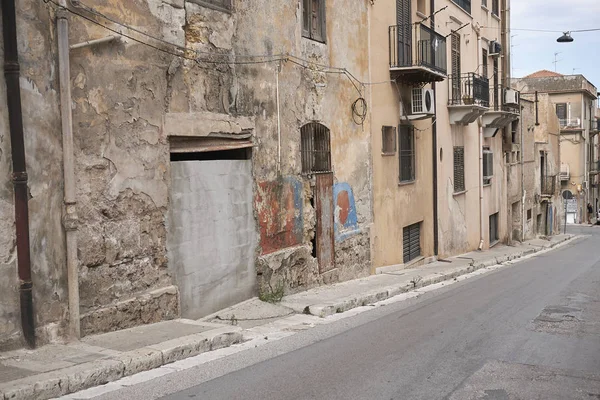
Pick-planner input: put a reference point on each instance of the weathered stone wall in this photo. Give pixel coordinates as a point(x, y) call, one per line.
point(131, 102)
point(41, 119)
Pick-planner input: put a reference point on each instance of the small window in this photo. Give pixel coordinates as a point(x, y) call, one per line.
point(493, 228)
point(407, 153)
point(313, 19)
point(388, 137)
point(528, 214)
point(464, 4)
point(218, 4)
point(561, 112)
point(411, 242)
point(315, 148)
point(513, 131)
point(421, 6)
point(484, 3)
point(459, 169)
point(488, 166)
point(496, 7)
point(484, 63)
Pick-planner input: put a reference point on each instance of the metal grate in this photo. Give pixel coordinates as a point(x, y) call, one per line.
point(459, 169)
point(315, 148)
point(411, 242)
point(407, 153)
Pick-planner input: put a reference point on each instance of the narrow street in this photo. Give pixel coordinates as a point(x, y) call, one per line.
point(526, 331)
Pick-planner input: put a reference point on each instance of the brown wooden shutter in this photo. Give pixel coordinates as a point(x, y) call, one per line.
point(306, 18)
point(459, 169)
point(403, 18)
point(455, 51)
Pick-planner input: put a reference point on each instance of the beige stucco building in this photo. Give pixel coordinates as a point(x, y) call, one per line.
point(574, 101)
point(454, 193)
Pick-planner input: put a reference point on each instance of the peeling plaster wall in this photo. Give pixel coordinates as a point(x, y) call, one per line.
point(130, 101)
point(39, 92)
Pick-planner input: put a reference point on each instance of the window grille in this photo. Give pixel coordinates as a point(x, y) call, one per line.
point(459, 169)
point(315, 148)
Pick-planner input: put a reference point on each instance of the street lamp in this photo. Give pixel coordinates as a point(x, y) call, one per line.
point(565, 38)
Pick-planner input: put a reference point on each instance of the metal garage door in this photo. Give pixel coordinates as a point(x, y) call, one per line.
point(411, 242)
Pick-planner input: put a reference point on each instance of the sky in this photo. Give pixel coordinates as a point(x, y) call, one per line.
point(533, 51)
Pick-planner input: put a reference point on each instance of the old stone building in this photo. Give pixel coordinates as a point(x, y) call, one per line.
point(221, 151)
point(532, 159)
point(574, 100)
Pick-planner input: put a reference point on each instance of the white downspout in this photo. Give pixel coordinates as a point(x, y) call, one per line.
point(70, 220)
point(481, 239)
point(278, 121)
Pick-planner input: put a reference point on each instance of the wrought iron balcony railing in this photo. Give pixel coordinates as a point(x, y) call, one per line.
point(417, 46)
point(469, 89)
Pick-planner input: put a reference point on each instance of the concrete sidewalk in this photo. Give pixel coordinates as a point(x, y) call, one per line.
point(56, 370)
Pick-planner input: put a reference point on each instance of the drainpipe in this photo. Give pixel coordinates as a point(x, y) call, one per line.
point(481, 240)
point(434, 155)
point(523, 193)
point(19, 175)
point(70, 221)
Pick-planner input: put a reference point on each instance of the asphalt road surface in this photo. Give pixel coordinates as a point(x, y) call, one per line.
point(528, 331)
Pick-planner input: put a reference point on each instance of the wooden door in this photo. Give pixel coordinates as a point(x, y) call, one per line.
point(324, 212)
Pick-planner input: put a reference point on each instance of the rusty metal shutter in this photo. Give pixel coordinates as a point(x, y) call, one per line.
point(403, 19)
point(459, 169)
point(411, 242)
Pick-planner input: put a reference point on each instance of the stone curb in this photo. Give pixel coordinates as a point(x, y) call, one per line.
point(84, 376)
point(324, 310)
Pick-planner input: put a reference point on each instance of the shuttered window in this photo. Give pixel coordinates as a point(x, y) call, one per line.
point(455, 43)
point(488, 166)
point(464, 4)
point(403, 19)
point(484, 63)
point(411, 242)
point(315, 148)
point(496, 7)
point(407, 153)
point(313, 19)
point(459, 169)
point(561, 111)
point(493, 228)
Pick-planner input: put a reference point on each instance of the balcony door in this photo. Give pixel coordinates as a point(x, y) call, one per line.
point(403, 19)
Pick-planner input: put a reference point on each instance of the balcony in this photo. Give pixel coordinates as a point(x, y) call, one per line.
point(417, 55)
point(469, 98)
point(548, 186)
point(594, 126)
point(565, 172)
point(503, 110)
point(570, 123)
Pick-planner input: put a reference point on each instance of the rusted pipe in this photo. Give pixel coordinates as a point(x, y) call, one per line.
point(19, 175)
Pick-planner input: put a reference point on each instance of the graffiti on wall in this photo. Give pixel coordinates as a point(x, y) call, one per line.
point(346, 221)
point(280, 213)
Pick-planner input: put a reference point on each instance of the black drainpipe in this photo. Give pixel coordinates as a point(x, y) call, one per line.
point(19, 176)
point(434, 153)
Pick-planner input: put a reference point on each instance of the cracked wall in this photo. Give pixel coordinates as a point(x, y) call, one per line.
point(39, 92)
point(132, 104)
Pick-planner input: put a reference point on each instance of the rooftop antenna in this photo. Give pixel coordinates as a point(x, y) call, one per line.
point(556, 60)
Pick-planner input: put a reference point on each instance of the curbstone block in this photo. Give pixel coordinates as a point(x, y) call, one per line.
point(140, 360)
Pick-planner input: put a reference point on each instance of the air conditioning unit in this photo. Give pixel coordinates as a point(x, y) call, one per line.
point(423, 102)
point(495, 48)
point(511, 97)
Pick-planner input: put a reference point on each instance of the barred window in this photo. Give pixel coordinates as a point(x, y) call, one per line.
point(407, 153)
point(315, 148)
point(459, 169)
point(488, 166)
